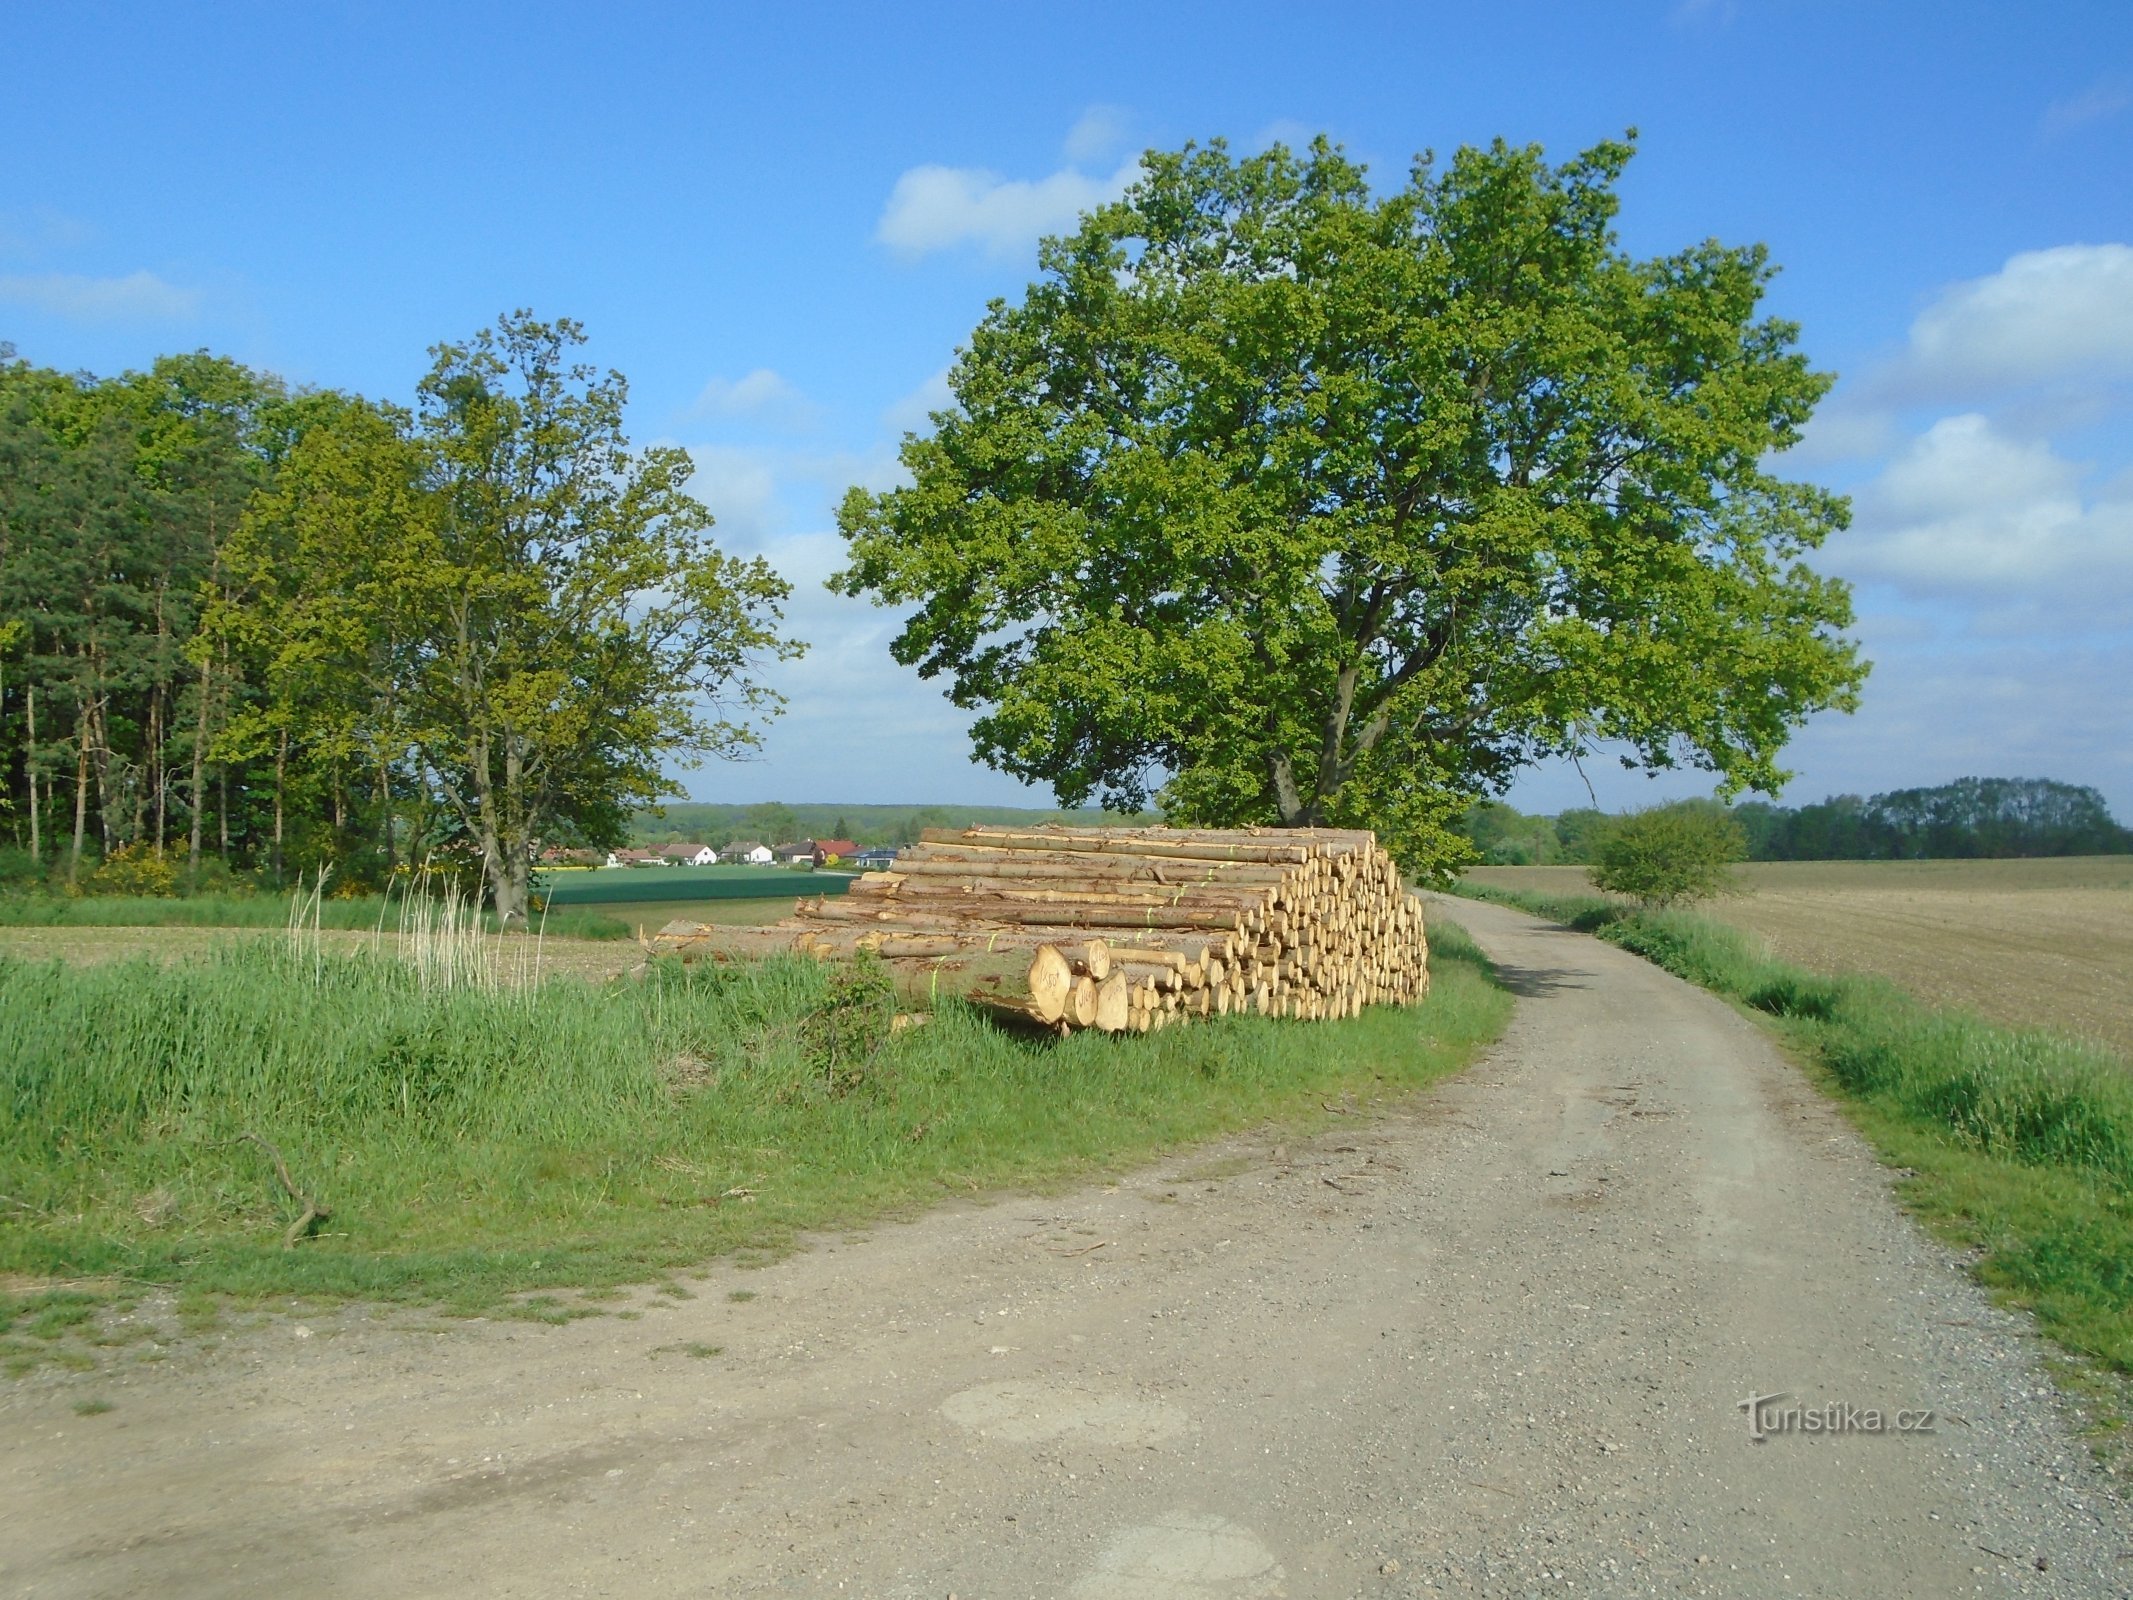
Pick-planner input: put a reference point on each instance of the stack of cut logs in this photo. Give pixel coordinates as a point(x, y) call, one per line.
point(1121, 929)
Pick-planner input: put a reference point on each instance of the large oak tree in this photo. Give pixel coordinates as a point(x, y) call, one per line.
point(1300, 504)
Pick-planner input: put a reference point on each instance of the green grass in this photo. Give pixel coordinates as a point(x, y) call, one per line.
point(2016, 1141)
point(637, 885)
point(253, 911)
point(486, 1151)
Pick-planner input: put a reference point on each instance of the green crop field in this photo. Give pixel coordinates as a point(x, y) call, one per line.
point(604, 886)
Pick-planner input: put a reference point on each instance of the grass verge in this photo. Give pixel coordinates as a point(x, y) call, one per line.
point(484, 1150)
point(2015, 1142)
point(258, 911)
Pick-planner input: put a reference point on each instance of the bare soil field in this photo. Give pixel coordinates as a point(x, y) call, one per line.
point(2044, 944)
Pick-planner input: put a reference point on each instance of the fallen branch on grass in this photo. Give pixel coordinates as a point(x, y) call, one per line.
point(314, 1212)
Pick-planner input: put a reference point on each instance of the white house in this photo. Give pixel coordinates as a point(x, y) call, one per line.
point(688, 855)
point(756, 855)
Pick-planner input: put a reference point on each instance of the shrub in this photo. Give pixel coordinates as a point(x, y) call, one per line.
point(1670, 854)
point(138, 869)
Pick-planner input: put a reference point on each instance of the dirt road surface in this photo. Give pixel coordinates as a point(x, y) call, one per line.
point(1491, 1344)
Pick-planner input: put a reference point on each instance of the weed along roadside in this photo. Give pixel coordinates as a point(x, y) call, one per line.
point(521, 1150)
point(2017, 1143)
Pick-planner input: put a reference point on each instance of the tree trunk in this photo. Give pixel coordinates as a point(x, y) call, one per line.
point(385, 818)
point(222, 768)
point(155, 749)
point(29, 762)
point(81, 797)
point(192, 854)
point(281, 774)
point(510, 881)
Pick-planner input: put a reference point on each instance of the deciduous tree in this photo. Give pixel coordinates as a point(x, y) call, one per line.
point(1301, 504)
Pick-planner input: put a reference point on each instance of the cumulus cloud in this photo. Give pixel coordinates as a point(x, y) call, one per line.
point(759, 391)
point(938, 208)
point(1968, 510)
point(741, 488)
point(2047, 315)
point(762, 397)
point(138, 296)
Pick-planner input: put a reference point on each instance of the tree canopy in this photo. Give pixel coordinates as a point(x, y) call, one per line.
point(501, 586)
point(287, 630)
point(1296, 504)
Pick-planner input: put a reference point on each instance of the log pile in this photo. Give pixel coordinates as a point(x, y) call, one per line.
point(1120, 929)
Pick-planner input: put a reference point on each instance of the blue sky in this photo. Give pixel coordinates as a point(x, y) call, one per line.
point(780, 223)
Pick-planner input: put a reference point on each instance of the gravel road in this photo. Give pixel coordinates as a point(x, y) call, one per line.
point(1491, 1344)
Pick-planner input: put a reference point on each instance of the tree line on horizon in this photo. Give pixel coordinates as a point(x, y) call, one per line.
point(1969, 819)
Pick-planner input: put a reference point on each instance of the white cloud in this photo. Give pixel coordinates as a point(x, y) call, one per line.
point(913, 413)
point(1840, 430)
point(1099, 133)
point(2047, 315)
point(1967, 510)
point(937, 208)
point(740, 487)
point(137, 296)
point(760, 397)
point(759, 393)
point(2097, 103)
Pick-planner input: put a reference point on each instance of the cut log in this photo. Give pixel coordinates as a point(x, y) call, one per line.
point(1127, 929)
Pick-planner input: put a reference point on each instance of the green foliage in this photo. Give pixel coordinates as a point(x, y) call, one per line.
point(501, 583)
point(304, 630)
point(477, 1145)
point(2020, 1141)
point(137, 869)
point(1670, 854)
point(1292, 503)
